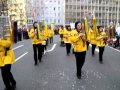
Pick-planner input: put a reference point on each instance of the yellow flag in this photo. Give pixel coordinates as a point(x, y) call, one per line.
point(95, 26)
point(86, 26)
point(39, 30)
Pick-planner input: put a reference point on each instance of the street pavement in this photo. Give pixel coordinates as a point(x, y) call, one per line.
point(57, 71)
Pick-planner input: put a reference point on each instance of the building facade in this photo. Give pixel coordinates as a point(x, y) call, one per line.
point(3, 7)
point(105, 11)
point(52, 11)
point(17, 11)
point(29, 8)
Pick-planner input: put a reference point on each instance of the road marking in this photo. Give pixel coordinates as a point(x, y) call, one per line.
point(97, 50)
point(18, 47)
point(21, 56)
point(113, 48)
point(53, 47)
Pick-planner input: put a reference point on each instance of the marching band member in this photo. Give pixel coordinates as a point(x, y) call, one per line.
point(78, 39)
point(101, 42)
point(51, 34)
point(36, 41)
point(93, 34)
point(44, 40)
point(61, 31)
point(7, 58)
point(67, 35)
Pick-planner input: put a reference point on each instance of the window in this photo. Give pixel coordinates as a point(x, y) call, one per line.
point(66, 6)
point(78, 7)
point(58, 21)
point(99, 14)
point(82, 7)
point(54, 20)
point(58, 14)
point(54, 8)
point(74, 7)
point(58, 8)
point(78, 14)
point(58, 2)
point(70, 7)
point(66, 0)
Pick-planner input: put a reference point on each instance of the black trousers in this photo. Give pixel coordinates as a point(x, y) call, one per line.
point(117, 42)
point(101, 50)
point(7, 76)
point(80, 59)
point(51, 40)
point(68, 47)
point(37, 52)
point(43, 48)
point(47, 42)
point(93, 49)
point(87, 45)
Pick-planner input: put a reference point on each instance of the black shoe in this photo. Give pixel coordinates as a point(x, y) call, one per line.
point(101, 62)
point(8, 89)
point(68, 54)
point(14, 86)
point(93, 55)
point(79, 76)
point(40, 61)
point(35, 64)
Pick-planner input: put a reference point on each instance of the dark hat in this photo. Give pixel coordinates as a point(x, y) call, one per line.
point(76, 23)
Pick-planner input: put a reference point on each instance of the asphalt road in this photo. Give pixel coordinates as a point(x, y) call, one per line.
point(57, 71)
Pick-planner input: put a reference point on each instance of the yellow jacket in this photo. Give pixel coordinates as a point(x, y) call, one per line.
point(34, 37)
point(79, 44)
point(100, 41)
point(51, 33)
point(9, 58)
point(44, 36)
point(61, 31)
point(46, 32)
point(67, 36)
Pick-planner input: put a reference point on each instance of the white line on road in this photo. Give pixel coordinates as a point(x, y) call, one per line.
point(113, 48)
point(97, 50)
point(18, 47)
point(21, 56)
point(53, 47)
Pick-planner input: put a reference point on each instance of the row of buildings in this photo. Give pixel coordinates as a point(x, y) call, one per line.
point(61, 12)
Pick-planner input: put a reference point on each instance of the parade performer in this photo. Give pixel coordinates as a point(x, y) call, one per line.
point(101, 43)
point(78, 39)
point(36, 41)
